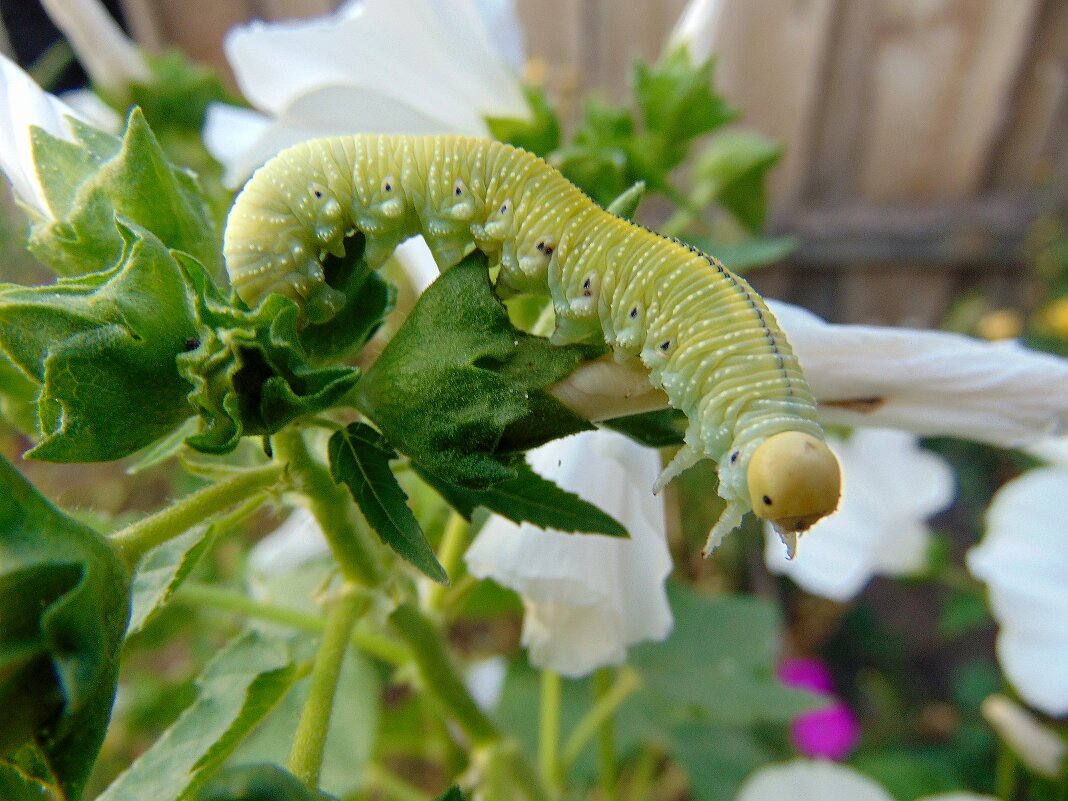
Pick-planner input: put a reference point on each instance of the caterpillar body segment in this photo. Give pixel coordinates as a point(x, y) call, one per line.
point(706, 337)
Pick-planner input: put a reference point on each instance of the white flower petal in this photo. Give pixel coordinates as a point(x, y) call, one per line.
point(485, 681)
point(929, 382)
point(24, 103)
point(87, 104)
point(587, 596)
point(805, 780)
point(1024, 561)
point(298, 540)
point(698, 27)
point(109, 56)
point(890, 486)
point(381, 66)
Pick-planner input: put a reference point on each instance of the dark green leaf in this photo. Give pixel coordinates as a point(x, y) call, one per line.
point(162, 569)
point(652, 429)
point(676, 98)
point(65, 599)
point(452, 794)
point(359, 458)
point(103, 350)
point(16, 785)
point(531, 498)
point(249, 371)
point(720, 658)
point(259, 783)
point(237, 688)
point(89, 188)
point(540, 134)
point(452, 388)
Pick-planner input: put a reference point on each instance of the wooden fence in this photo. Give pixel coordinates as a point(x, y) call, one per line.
point(924, 137)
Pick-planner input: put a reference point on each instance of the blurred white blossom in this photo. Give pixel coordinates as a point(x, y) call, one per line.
point(108, 56)
point(1038, 746)
point(1023, 559)
point(586, 596)
point(807, 780)
point(373, 66)
point(890, 486)
point(23, 104)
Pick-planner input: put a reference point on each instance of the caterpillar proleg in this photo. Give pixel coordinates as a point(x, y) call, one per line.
point(705, 336)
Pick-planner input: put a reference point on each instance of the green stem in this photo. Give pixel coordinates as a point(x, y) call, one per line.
point(450, 554)
point(439, 676)
point(610, 696)
point(210, 596)
point(309, 743)
point(136, 540)
point(1005, 773)
point(549, 730)
point(351, 541)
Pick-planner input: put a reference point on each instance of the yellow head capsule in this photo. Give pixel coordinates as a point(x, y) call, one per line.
point(794, 480)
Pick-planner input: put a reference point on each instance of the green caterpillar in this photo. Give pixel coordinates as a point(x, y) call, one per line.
point(706, 337)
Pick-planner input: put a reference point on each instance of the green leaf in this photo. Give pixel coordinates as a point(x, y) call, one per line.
point(529, 497)
point(359, 458)
point(721, 659)
point(717, 758)
point(652, 429)
point(102, 349)
point(540, 134)
point(65, 599)
point(676, 99)
point(16, 785)
point(259, 783)
point(452, 794)
point(162, 569)
point(458, 385)
point(89, 188)
point(237, 689)
point(732, 170)
point(249, 370)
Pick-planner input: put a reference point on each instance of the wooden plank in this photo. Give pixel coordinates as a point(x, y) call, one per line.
point(1023, 151)
point(554, 31)
point(195, 26)
point(943, 73)
point(770, 57)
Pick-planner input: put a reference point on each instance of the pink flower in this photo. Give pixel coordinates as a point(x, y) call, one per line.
point(828, 733)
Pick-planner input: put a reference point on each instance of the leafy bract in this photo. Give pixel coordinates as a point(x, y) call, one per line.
point(459, 389)
point(236, 690)
point(92, 182)
point(102, 350)
point(359, 458)
point(65, 599)
point(653, 429)
point(249, 370)
point(531, 498)
point(676, 98)
point(162, 569)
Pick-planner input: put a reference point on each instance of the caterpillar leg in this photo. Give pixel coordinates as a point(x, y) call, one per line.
point(729, 520)
point(686, 458)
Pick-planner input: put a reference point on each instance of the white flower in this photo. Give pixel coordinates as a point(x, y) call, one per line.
point(23, 104)
point(106, 53)
point(805, 780)
point(697, 27)
point(1023, 559)
point(928, 382)
point(587, 596)
point(376, 66)
point(890, 486)
point(1037, 746)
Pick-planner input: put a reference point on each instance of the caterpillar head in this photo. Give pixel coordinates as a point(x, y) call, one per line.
point(794, 480)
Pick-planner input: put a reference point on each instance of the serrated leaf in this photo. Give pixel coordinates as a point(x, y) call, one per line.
point(652, 429)
point(676, 98)
point(236, 690)
point(162, 569)
point(540, 134)
point(456, 381)
point(359, 458)
point(89, 191)
point(102, 349)
point(721, 659)
point(65, 597)
point(529, 498)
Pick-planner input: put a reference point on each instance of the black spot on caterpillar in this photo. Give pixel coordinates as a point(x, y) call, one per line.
point(705, 335)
